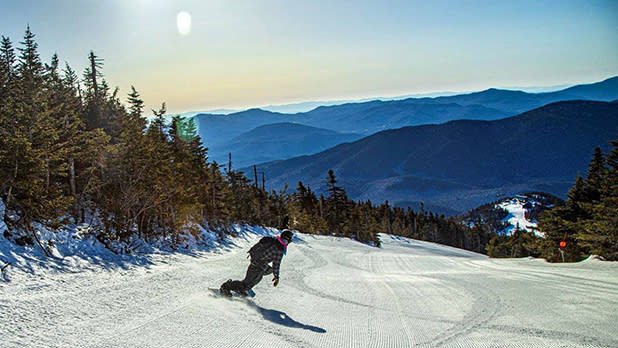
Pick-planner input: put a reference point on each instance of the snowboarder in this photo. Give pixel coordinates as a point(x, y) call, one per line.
point(267, 250)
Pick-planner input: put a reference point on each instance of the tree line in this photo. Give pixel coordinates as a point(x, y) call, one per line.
point(587, 224)
point(363, 220)
point(71, 151)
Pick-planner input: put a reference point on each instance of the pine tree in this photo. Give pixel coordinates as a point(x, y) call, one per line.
point(187, 130)
point(8, 122)
point(32, 151)
point(498, 247)
point(136, 105)
point(95, 94)
point(353, 225)
point(596, 172)
point(599, 234)
point(30, 67)
point(306, 199)
point(305, 212)
point(217, 211)
point(159, 123)
point(92, 73)
point(564, 222)
point(87, 148)
point(589, 220)
point(7, 67)
point(610, 180)
point(189, 174)
point(336, 204)
point(123, 195)
point(64, 106)
point(115, 115)
point(577, 195)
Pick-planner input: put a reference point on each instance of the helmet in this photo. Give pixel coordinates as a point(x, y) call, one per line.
point(287, 235)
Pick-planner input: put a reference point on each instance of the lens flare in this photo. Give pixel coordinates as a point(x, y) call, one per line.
point(183, 22)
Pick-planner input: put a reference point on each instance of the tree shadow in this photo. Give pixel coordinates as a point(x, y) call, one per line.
point(282, 318)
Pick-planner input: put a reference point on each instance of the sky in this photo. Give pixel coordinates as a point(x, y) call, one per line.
point(210, 54)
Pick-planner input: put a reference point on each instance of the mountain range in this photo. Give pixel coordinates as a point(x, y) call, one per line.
point(226, 133)
point(518, 101)
point(276, 141)
point(459, 165)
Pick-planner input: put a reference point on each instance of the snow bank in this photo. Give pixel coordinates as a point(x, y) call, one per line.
point(75, 248)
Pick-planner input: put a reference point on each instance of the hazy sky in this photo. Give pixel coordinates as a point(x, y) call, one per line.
point(243, 53)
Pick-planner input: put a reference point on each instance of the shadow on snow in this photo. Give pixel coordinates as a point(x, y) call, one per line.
point(282, 318)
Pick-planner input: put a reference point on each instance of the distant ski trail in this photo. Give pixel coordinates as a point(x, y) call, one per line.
point(333, 293)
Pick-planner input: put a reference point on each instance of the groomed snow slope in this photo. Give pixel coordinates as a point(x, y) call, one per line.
point(333, 293)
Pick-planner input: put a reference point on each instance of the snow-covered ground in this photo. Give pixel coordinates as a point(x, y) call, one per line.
point(333, 293)
point(517, 218)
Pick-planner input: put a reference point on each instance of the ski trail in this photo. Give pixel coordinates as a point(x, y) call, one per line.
point(333, 293)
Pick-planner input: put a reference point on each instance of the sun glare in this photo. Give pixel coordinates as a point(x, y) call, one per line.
point(183, 21)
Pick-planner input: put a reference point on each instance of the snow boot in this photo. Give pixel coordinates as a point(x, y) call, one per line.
point(224, 289)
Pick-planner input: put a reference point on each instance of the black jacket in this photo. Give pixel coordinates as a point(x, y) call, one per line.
point(272, 251)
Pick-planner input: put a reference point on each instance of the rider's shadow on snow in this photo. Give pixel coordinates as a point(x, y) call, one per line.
point(281, 318)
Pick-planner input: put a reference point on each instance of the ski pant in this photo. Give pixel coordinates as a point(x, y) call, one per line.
point(254, 275)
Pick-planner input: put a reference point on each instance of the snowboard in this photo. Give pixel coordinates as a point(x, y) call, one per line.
point(218, 293)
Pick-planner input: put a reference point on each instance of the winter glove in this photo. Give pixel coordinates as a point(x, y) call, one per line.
point(275, 281)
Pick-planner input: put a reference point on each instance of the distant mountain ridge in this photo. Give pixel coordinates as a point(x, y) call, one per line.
point(364, 118)
point(496, 103)
point(462, 164)
point(518, 101)
point(367, 118)
point(605, 90)
point(277, 141)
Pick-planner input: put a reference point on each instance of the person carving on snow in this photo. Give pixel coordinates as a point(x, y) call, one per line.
point(267, 250)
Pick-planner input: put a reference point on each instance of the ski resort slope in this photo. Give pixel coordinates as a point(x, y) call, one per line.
point(333, 293)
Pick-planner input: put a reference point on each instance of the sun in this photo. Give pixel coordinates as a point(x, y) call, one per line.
point(183, 22)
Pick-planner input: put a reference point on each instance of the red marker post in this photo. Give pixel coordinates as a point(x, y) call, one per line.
point(562, 246)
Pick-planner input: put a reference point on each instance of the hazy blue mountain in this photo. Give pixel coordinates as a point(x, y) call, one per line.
point(302, 106)
point(462, 164)
point(363, 118)
point(278, 141)
point(508, 100)
point(217, 131)
point(373, 116)
point(310, 105)
point(606, 90)
point(518, 101)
